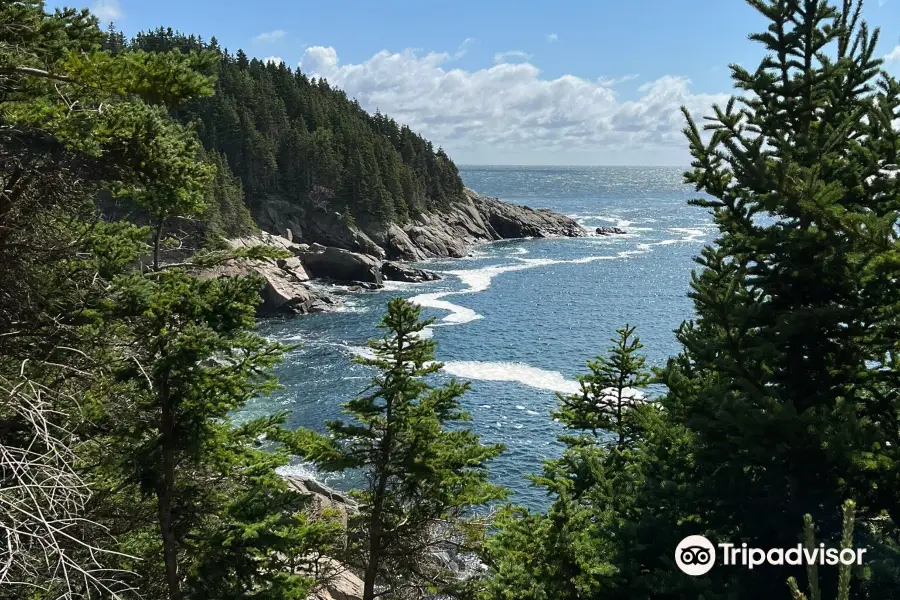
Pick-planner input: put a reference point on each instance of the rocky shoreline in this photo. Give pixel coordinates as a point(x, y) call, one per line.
point(328, 250)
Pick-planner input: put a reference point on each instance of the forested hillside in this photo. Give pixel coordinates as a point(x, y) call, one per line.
point(297, 138)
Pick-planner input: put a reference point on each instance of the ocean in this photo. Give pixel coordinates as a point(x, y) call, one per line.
point(519, 318)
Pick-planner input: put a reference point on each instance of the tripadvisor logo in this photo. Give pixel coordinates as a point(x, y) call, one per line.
point(695, 555)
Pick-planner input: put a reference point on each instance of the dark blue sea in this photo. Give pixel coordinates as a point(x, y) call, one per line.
point(520, 318)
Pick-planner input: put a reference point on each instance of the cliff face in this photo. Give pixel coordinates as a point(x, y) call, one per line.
point(446, 233)
point(326, 247)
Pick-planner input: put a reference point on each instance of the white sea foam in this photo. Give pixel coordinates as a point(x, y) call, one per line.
point(533, 377)
point(458, 314)
point(300, 470)
point(350, 306)
point(618, 221)
point(361, 351)
point(478, 280)
point(689, 235)
point(399, 286)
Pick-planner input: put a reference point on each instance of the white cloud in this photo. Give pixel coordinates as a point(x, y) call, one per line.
point(271, 36)
point(614, 81)
point(463, 48)
point(509, 113)
point(503, 57)
point(893, 55)
point(107, 10)
point(273, 59)
point(552, 37)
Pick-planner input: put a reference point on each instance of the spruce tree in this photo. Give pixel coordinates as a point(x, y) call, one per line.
point(783, 400)
point(424, 481)
point(566, 553)
point(609, 393)
point(788, 377)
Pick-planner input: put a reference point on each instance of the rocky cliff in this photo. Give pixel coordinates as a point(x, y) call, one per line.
point(325, 248)
point(449, 232)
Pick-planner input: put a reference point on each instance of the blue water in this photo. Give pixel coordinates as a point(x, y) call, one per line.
point(520, 318)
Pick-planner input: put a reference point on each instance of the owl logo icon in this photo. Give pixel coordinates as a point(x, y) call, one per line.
point(695, 555)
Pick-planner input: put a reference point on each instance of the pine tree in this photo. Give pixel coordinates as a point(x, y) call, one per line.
point(425, 481)
point(382, 171)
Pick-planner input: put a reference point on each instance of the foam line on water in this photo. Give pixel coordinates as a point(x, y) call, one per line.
point(534, 377)
point(618, 221)
point(458, 314)
point(478, 280)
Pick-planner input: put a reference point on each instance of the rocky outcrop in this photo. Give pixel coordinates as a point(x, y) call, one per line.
point(514, 221)
point(449, 232)
point(286, 289)
point(322, 497)
point(342, 265)
point(338, 581)
point(337, 250)
point(394, 271)
point(341, 583)
point(609, 231)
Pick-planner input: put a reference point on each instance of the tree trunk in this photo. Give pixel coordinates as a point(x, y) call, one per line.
point(165, 493)
point(157, 240)
point(374, 552)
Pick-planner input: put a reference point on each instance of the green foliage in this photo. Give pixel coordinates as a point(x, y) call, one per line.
point(783, 400)
point(424, 480)
point(285, 134)
point(226, 214)
point(609, 393)
point(567, 552)
point(812, 571)
point(120, 469)
point(223, 515)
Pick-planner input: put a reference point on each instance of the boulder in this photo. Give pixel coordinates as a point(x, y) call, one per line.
point(283, 291)
point(394, 271)
point(341, 265)
point(322, 497)
point(294, 266)
point(341, 583)
point(514, 221)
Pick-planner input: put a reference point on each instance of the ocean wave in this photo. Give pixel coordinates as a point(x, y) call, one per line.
point(351, 306)
point(400, 286)
point(305, 470)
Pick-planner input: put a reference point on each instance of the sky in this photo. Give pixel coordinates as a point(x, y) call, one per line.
point(568, 82)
